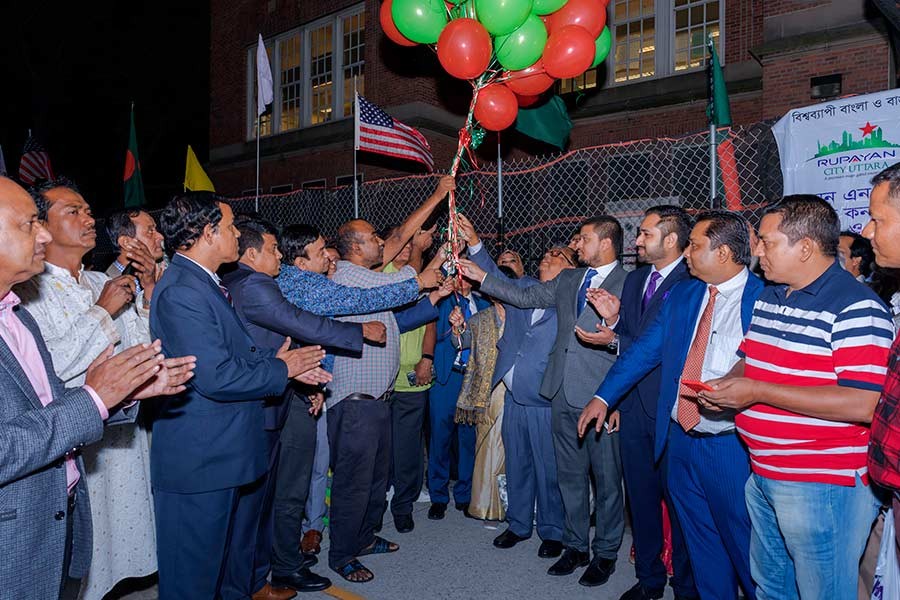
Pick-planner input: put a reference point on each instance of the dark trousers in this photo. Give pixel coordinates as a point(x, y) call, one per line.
point(206, 541)
point(69, 587)
point(359, 433)
point(262, 557)
point(577, 459)
point(707, 476)
point(645, 482)
point(531, 470)
point(295, 462)
point(441, 414)
point(408, 446)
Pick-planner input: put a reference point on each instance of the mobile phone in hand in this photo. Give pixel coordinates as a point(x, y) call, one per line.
point(697, 386)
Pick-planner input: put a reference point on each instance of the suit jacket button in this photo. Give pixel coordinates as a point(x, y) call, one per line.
point(252, 348)
point(59, 516)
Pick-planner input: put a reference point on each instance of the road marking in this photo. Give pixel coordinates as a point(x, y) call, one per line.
point(342, 594)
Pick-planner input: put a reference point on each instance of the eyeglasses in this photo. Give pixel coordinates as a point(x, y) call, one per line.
point(560, 254)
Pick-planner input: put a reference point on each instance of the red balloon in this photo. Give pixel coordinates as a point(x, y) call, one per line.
point(525, 101)
point(390, 30)
point(590, 14)
point(569, 52)
point(496, 107)
point(530, 81)
point(464, 48)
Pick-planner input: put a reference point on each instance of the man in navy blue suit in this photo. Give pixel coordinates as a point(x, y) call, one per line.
point(209, 443)
point(695, 336)
point(662, 237)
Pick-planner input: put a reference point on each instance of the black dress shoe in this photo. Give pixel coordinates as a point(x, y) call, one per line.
point(437, 510)
point(598, 572)
point(303, 580)
point(462, 507)
point(308, 559)
point(507, 539)
point(568, 562)
point(550, 549)
point(639, 592)
point(404, 523)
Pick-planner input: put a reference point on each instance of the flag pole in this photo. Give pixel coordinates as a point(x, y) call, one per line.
point(713, 175)
point(256, 190)
point(355, 125)
point(501, 242)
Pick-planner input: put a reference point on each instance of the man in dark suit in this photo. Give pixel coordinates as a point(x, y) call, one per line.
point(269, 317)
point(695, 335)
point(449, 367)
point(45, 515)
point(209, 445)
point(662, 237)
point(524, 350)
point(574, 370)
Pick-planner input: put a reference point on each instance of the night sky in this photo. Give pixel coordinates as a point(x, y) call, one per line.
point(70, 72)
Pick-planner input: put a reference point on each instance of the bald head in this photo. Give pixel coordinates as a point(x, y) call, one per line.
point(358, 242)
point(22, 236)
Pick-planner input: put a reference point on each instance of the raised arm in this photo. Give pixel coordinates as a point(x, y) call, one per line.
point(542, 295)
point(322, 296)
point(414, 221)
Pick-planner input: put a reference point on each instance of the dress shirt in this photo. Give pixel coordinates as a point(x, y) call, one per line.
point(473, 309)
point(23, 346)
point(601, 275)
point(664, 272)
point(721, 353)
point(137, 282)
point(215, 277)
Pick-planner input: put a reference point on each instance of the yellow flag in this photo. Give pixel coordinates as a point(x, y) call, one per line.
point(195, 178)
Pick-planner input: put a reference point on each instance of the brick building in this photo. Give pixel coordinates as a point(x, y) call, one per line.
point(776, 53)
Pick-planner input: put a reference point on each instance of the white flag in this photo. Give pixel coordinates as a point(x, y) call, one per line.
point(264, 92)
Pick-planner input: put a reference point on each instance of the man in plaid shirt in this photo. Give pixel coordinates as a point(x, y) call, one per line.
point(883, 229)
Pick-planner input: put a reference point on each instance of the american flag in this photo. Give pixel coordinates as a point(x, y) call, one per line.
point(376, 131)
point(35, 163)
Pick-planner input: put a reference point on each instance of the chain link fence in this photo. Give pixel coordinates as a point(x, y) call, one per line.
point(545, 198)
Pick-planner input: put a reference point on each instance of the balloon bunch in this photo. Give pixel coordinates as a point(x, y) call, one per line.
point(511, 51)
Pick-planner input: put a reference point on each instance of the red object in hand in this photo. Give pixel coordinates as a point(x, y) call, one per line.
point(390, 29)
point(496, 108)
point(697, 386)
point(464, 48)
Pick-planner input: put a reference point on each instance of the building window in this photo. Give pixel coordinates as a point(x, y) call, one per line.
point(654, 38)
point(314, 183)
point(342, 180)
point(315, 67)
point(284, 188)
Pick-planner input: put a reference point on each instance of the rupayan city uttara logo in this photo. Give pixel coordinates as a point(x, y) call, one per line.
point(871, 152)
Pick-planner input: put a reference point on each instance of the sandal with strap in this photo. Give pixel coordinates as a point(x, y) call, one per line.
point(379, 546)
point(352, 568)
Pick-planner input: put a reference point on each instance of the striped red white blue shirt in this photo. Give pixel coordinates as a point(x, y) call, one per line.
point(834, 331)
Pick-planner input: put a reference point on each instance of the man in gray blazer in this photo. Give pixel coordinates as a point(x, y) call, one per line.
point(573, 368)
point(45, 518)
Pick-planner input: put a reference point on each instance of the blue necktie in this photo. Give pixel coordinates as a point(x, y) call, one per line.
point(467, 312)
point(582, 293)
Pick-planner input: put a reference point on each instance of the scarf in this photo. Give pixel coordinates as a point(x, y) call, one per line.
point(474, 399)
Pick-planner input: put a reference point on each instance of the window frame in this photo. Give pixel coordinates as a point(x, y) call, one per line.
point(337, 73)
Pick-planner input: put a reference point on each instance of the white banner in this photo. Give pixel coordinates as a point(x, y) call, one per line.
point(834, 149)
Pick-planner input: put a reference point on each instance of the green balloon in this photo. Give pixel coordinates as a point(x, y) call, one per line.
point(545, 7)
point(420, 20)
point(601, 47)
point(501, 17)
point(524, 46)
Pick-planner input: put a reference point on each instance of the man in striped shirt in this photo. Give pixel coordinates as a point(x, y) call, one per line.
point(812, 370)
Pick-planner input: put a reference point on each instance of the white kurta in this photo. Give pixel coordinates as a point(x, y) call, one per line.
point(118, 467)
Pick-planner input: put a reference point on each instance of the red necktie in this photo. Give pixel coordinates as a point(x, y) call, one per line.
point(688, 409)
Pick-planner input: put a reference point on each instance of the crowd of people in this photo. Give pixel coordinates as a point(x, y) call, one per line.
point(184, 411)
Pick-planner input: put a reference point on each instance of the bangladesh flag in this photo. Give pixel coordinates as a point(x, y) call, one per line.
point(134, 184)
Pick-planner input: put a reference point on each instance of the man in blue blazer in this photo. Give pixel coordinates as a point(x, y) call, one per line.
point(45, 513)
point(662, 237)
point(209, 443)
point(269, 317)
point(707, 464)
point(449, 367)
point(524, 350)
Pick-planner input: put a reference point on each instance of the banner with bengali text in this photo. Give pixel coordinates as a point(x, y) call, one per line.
point(834, 149)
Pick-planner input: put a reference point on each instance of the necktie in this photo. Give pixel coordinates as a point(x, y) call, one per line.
point(225, 293)
point(688, 409)
point(655, 276)
point(467, 312)
point(582, 293)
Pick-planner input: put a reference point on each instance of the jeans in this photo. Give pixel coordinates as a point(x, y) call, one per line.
point(807, 538)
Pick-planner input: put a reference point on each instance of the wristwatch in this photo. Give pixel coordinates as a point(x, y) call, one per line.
point(614, 344)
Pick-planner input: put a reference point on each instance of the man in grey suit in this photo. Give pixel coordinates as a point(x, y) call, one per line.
point(45, 517)
point(573, 368)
